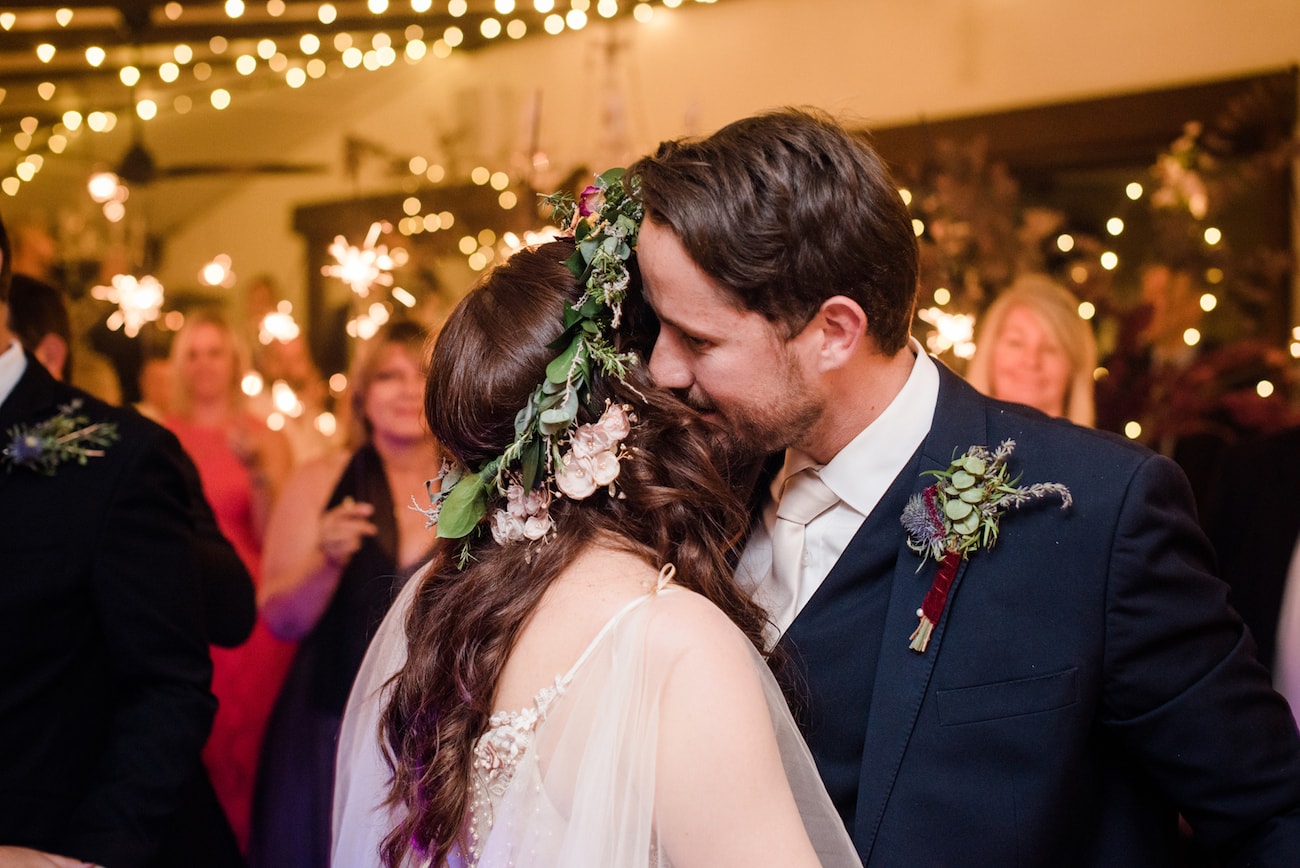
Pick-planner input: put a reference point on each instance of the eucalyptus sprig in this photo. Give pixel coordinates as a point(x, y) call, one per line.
point(66, 436)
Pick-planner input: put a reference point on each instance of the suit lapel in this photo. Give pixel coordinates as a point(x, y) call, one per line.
point(903, 675)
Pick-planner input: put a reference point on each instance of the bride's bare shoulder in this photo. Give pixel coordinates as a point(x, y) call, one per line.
point(682, 620)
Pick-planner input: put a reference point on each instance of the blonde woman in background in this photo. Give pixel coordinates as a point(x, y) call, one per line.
point(1033, 348)
point(242, 464)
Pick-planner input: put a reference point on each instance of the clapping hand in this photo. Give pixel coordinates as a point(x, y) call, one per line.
point(343, 528)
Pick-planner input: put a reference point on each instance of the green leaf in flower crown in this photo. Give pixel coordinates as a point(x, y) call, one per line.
point(466, 504)
point(576, 264)
point(556, 419)
point(558, 370)
point(531, 463)
point(524, 418)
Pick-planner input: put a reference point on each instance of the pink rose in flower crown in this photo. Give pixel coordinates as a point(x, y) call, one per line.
point(614, 422)
point(575, 477)
point(591, 200)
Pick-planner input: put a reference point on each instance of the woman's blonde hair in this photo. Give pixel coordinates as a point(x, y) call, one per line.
point(1058, 310)
point(181, 403)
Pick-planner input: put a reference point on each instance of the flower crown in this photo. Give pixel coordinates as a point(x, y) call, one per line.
point(551, 454)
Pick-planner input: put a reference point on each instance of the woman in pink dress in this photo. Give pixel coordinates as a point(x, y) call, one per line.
point(242, 464)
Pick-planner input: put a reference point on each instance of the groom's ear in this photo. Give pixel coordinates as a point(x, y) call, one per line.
point(843, 329)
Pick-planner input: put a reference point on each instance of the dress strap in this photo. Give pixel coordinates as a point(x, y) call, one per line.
point(665, 576)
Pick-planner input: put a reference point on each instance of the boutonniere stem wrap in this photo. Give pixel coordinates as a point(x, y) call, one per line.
point(959, 515)
point(66, 436)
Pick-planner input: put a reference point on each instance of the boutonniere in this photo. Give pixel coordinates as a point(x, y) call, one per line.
point(65, 436)
point(959, 515)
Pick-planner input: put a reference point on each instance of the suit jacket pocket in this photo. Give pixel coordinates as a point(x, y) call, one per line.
point(1008, 698)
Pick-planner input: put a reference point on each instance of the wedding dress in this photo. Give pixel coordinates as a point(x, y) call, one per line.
point(571, 780)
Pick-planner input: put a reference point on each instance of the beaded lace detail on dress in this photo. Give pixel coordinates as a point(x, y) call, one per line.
point(509, 736)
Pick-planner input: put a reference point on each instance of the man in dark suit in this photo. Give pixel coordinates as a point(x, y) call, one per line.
point(104, 669)
point(1085, 681)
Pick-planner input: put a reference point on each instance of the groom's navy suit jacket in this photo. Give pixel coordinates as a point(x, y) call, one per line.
point(1086, 682)
point(104, 667)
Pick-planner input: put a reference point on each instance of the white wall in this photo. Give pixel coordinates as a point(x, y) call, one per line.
point(694, 69)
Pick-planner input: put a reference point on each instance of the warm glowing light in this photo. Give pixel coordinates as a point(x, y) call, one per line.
point(63, 16)
point(284, 399)
point(378, 7)
point(468, 244)
point(275, 421)
point(169, 72)
point(295, 77)
point(1132, 430)
point(234, 8)
point(607, 8)
point(1087, 310)
point(95, 55)
point(490, 28)
point(45, 52)
point(905, 194)
point(220, 99)
point(1100, 373)
point(918, 227)
point(942, 296)
point(338, 382)
point(415, 50)
point(1212, 235)
point(544, 6)
point(138, 301)
point(1109, 260)
point(1115, 226)
point(1295, 349)
point(457, 8)
point(97, 121)
point(362, 267)
point(309, 43)
point(421, 6)
point(643, 13)
point(252, 384)
point(411, 206)
point(1264, 388)
point(102, 186)
point(1065, 242)
point(326, 424)
point(183, 53)
point(10, 185)
point(952, 331)
point(507, 200)
point(554, 24)
point(517, 29)
point(576, 19)
point(147, 109)
point(245, 64)
point(72, 120)
point(504, 7)
point(1214, 275)
point(129, 75)
point(403, 297)
point(1209, 301)
point(326, 13)
point(266, 48)
point(1192, 337)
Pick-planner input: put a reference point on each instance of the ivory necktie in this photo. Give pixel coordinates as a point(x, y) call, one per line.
point(805, 497)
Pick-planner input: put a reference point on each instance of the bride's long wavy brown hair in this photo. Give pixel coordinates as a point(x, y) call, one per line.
point(679, 508)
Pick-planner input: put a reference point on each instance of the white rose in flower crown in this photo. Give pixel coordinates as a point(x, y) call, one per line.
point(506, 528)
point(614, 423)
point(574, 477)
point(589, 441)
point(537, 526)
point(604, 468)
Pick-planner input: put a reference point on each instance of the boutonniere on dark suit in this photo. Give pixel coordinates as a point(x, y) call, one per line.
point(959, 514)
point(66, 436)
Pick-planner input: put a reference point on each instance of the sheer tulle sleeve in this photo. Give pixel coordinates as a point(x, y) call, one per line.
point(362, 777)
point(672, 725)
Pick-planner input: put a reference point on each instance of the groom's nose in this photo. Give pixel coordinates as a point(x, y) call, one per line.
point(668, 366)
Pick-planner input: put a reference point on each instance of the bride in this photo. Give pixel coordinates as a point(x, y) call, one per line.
point(573, 680)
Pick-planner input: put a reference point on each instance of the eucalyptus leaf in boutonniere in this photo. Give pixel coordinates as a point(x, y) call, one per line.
point(959, 515)
point(66, 436)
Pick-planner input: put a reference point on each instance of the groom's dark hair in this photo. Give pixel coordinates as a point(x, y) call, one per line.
point(786, 210)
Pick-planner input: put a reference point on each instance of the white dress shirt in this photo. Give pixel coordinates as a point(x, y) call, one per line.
point(12, 365)
point(859, 474)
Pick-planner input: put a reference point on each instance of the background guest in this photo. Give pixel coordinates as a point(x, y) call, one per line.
point(1033, 348)
point(341, 543)
point(242, 465)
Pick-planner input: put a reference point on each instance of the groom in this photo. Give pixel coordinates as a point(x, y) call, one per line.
point(1086, 681)
point(104, 668)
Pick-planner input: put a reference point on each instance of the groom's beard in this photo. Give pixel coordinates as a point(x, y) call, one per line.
point(745, 433)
